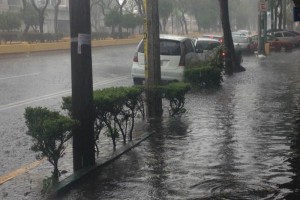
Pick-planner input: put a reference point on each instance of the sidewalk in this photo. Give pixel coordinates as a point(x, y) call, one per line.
point(36, 47)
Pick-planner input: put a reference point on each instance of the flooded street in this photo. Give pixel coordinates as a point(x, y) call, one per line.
point(240, 141)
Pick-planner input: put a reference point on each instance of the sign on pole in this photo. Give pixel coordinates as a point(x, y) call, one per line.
point(263, 6)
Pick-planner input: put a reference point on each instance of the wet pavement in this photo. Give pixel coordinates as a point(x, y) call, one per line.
point(240, 141)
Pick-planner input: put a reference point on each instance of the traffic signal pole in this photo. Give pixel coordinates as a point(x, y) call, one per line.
point(82, 84)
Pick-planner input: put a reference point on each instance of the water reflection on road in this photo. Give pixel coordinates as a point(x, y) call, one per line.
point(240, 141)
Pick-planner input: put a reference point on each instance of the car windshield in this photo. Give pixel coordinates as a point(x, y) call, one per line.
point(167, 47)
point(240, 39)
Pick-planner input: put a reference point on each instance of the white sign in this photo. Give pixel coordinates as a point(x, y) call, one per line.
point(83, 39)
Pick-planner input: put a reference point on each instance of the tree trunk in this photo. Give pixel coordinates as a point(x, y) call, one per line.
point(56, 10)
point(231, 64)
point(280, 15)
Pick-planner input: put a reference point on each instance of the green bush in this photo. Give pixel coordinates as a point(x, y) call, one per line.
point(99, 35)
point(34, 37)
point(203, 76)
point(50, 132)
point(175, 94)
point(115, 111)
point(117, 108)
point(10, 36)
point(208, 73)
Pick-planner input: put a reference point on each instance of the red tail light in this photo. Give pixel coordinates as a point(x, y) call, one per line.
point(135, 57)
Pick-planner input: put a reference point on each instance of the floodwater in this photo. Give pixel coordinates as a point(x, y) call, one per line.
point(237, 142)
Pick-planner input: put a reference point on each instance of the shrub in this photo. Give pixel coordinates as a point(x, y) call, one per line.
point(9, 36)
point(203, 76)
point(99, 35)
point(50, 132)
point(175, 94)
point(115, 111)
point(117, 107)
point(32, 37)
point(206, 73)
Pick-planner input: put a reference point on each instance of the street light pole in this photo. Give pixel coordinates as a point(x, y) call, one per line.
point(82, 84)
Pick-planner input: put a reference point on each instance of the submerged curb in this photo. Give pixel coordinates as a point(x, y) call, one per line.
point(70, 181)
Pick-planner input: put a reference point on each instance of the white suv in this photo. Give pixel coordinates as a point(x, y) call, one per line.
point(173, 58)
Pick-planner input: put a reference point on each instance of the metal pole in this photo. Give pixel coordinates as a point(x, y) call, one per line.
point(259, 34)
point(82, 84)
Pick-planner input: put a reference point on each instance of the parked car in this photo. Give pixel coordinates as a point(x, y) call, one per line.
point(175, 53)
point(287, 36)
point(243, 44)
point(217, 37)
point(275, 44)
point(246, 33)
point(205, 46)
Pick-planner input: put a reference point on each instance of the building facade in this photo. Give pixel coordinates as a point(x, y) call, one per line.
point(63, 15)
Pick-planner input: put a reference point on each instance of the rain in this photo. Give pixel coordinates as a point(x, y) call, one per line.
point(238, 139)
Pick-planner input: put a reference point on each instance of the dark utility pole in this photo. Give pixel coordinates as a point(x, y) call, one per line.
point(153, 78)
point(82, 84)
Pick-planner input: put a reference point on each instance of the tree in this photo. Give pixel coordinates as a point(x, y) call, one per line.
point(9, 21)
point(98, 9)
point(140, 7)
point(55, 4)
point(205, 12)
point(112, 19)
point(50, 131)
point(165, 8)
point(120, 5)
point(41, 8)
point(182, 10)
point(29, 16)
point(231, 64)
point(129, 21)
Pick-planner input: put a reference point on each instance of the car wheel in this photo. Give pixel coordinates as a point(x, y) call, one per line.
point(137, 81)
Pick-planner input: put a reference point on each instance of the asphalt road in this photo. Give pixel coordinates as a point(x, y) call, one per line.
point(41, 79)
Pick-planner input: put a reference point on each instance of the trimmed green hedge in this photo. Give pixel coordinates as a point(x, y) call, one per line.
point(204, 76)
point(175, 93)
point(208, 73)
point(115, 111)
point(49, 131)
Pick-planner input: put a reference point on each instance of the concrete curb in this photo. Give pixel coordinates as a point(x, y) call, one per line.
point(70, 181)
point(37, 47)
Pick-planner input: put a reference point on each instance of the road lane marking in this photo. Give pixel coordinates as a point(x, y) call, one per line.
point(20, 171)
point(19, 76)
point(26, 168)
point(56, 94)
